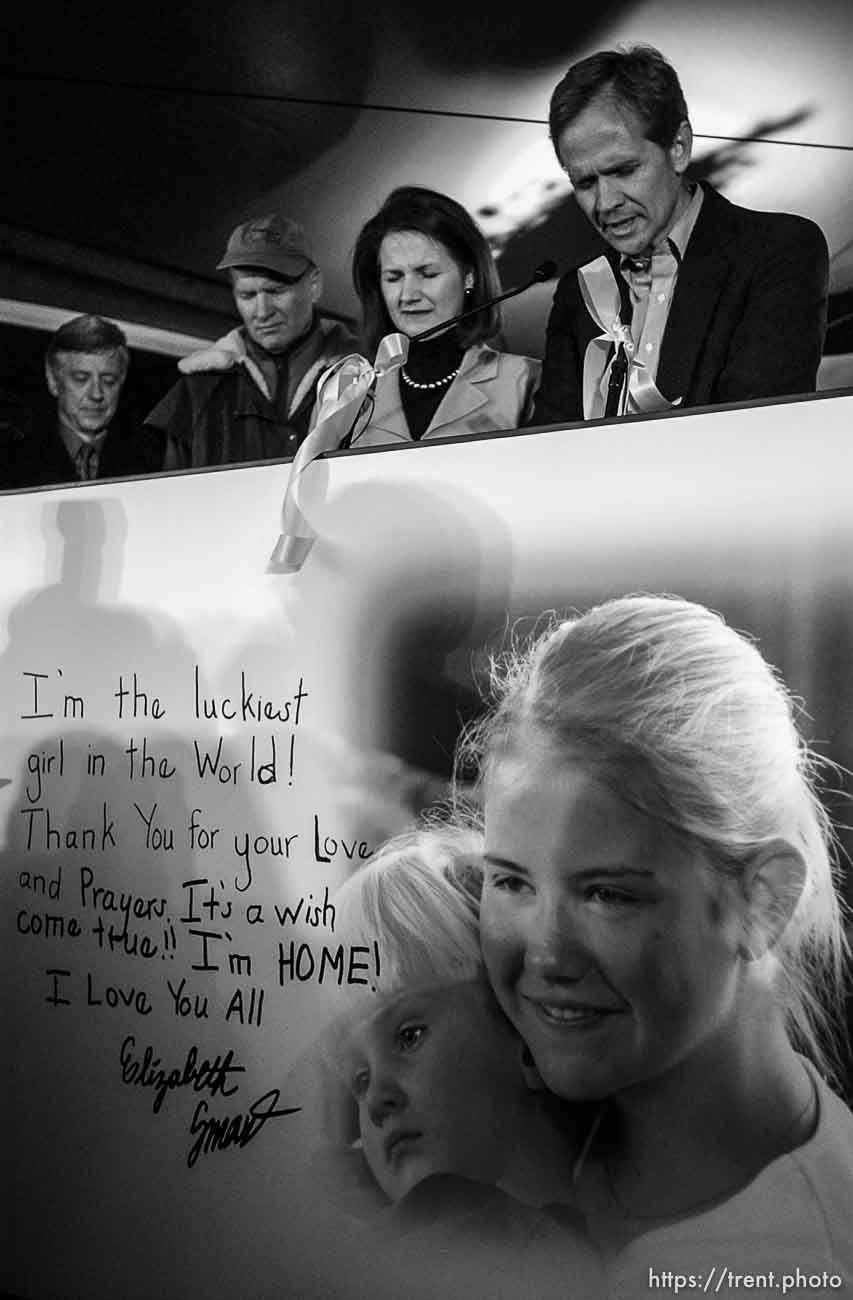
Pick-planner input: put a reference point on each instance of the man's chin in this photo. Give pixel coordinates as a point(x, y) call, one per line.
point(271, 342)
point(630, 242)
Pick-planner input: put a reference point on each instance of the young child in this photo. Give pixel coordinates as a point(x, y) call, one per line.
point(457, 1164)
point(435, 1070)
point(450, 1117)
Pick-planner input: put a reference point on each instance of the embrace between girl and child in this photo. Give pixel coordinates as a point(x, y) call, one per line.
point(610, 1014)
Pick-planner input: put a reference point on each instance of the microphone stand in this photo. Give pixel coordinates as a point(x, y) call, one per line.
point(542, 273)
point(297, 537)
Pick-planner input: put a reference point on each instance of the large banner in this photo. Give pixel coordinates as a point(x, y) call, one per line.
point(195, 752)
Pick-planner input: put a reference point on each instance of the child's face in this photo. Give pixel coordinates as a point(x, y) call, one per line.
point(435, 1075)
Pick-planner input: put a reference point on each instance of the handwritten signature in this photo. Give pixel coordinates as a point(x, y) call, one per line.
point(234, 1130)
point(200, 1075)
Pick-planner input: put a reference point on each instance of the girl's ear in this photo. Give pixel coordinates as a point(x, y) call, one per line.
point(773, 882)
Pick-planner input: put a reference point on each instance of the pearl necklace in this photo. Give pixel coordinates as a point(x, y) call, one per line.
point(436, 383)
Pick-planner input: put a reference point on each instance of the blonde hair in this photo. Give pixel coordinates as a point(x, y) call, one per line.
point(690, 723)
point(417, 898)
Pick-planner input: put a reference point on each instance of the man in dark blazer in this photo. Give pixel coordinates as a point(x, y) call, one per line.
point(84, 435)
point(694, 300)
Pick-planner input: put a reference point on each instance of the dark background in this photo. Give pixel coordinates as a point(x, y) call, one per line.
point(136, 137)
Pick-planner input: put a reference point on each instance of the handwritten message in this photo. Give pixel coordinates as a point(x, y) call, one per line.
point(186, 882)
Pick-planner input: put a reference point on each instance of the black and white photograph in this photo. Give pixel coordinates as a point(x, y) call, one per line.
point(426, 652)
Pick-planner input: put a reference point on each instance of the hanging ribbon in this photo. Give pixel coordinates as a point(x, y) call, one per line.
point(600, 293)
point(343, 407)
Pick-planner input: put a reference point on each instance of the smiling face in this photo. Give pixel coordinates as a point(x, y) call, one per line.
point(87, 386)
point(435, 1076)
point(630, 188)
point(276, 312)
point(422, 284)
point(611, 945)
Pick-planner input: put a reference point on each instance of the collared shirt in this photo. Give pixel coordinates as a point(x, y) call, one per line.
point(85, 452)
point(653, 286)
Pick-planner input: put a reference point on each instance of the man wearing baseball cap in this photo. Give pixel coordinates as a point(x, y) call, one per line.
point(250, 396)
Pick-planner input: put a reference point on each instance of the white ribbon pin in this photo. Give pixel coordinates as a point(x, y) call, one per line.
point(601, 297)
point(344, 406)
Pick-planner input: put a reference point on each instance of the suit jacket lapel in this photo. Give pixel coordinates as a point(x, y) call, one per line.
point(110, 460)
point(465, 394)
point(701, 278)
point(388, 414)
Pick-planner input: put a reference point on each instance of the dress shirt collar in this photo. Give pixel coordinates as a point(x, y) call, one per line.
point(679, 235)
point(668, 253)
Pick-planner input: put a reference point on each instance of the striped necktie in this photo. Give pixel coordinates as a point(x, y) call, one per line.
point(86, 461)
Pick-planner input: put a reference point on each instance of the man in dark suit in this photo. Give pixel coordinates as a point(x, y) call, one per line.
point(694, 300)
point(84, 436)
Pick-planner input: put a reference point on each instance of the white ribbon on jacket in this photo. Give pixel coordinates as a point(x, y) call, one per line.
point(602, 300)
point(344, 405)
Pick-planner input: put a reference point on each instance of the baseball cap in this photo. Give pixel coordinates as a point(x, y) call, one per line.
point(272, 242)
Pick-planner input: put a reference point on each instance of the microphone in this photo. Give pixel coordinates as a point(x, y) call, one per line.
point(546, 271)
point(616, 382)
